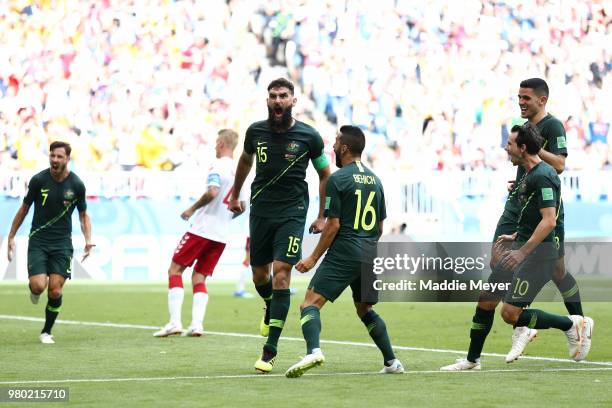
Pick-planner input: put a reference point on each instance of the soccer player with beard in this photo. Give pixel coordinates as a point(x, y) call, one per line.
point(281, 147)
point(355, 210)
point(532, 96)
point(55, 192)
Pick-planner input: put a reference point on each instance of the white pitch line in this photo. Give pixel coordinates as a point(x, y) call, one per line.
point(250, 376)
point(79, 323)
point(336, 342)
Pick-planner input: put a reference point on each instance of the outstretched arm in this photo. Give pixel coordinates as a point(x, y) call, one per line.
point(206, 198)
point(317, 225)
point(327, 237)
point(17, 221)
point(242, 171)
point(86, 229)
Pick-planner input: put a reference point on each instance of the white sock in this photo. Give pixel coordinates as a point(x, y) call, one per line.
point(316, 350)
point(198, 310)
point(175, 304)
point(242, 278)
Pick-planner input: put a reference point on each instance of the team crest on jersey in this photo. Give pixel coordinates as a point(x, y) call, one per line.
point(293, 147)
point(292, 150)
point(68, 197)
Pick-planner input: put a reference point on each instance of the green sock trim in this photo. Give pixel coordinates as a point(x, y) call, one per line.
point(533, 321)
point(378, 332)
point(306, 319)
point(277, 323)
point(51, 311)
point(279, 308)
point(482, 321)
point(539, 319)
point(265, 290)
point(311, 327)
point(54, 305)
point(479, 326)
point(569, 293)
point(568, 287)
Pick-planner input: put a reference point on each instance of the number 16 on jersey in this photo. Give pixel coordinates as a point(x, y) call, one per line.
point(362, 215)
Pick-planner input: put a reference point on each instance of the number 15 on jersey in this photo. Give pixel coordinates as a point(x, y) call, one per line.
point(262, 155)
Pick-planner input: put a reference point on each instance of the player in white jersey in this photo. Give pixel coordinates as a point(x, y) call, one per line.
point(204, 241)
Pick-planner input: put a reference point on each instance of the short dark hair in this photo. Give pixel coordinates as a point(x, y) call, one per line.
point(539, 86)
point(281, 83)
point(57, 144)
point(353, 138)
point(528, 135)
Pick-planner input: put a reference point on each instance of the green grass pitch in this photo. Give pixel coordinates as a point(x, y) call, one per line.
point(125, 366)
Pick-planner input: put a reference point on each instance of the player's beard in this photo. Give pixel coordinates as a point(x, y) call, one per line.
point(338, 159)
point(281, 125)
point(59, 169)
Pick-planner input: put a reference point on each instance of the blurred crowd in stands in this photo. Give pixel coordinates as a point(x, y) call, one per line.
point(135, 84)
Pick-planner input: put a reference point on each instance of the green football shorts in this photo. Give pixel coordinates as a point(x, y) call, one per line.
point(44, 260)
point(276, 239)
point(331, 278)
point(528, 280)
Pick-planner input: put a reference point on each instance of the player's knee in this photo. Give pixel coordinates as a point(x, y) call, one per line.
point(37, 288)
point(55, 292)
point(510, 316)
point(281, 281)
point(260, 279)
point(306, 303)
point(313, 298)
point(261, 275)
point(175, 269)
point(197, 277)
point(362, 309)
point(282, 275)
point(487, 300)
point(559, 272)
